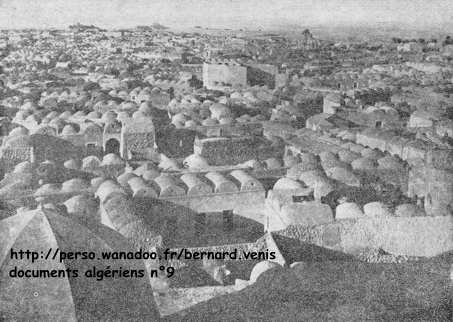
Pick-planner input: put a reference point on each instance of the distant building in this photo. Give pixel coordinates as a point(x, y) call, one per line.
point(308, 42)
point(218, 76)
point(410, 47)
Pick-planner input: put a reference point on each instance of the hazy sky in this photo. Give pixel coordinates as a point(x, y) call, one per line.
point(225, 13)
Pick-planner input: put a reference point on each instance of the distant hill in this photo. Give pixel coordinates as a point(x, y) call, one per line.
point(158, 26)
point(155, 26)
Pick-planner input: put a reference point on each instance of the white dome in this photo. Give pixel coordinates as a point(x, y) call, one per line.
point(376, 209)
point(17, 131)
point(348, 210)
point(195, 161)
point(112, 159)
point(260, 268)
point(287, 184)
point(22, 167)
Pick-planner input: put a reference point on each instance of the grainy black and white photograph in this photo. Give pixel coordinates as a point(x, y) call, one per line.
point(226, 160)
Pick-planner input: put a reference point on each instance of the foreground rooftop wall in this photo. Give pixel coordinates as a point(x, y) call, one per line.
point(416, 236)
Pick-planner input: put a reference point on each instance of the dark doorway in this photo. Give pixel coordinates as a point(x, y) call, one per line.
point(200, 223)
point(172, 227)
point(92, 149)
point(227, 220)
point(112, 146)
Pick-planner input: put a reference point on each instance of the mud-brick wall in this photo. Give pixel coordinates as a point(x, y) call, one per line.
point(411, 236)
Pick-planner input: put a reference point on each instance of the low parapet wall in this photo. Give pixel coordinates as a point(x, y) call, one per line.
point(248, 202)
point(264, 244)
point(410, 236)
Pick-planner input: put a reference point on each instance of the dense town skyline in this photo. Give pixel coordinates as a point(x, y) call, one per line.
point(234, 14)
point(255, 160)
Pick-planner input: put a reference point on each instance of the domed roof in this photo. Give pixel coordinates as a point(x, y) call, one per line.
point(21, 115)
point(343, 175)
point(150, 174)
point(178, 118)
point(83, 206)
point(124, 178)
point(18, 131)
point(168, 164)
point(139, 115)
point(195, 161)
point(46, 120)
point(347, 156)
point(123, 94)
point(290, 160)
point(313, 177)
point(128, 106)
point(288, 184)
point(96, 182)
point(334, 163)
point(327, 156)
point(273, 163)
point(322, 187)
point(260, 268)
point(219, 110)
point(144, 167)
point(65, 115)
point(79, 114)
point(207, 103)
point(145, 108)
point(253, 164)
point(245, 118)
point(74, 185)
point(249, 95)
point(52, 115)
point(236, 95)
point(109, 116)
point(107, 188)
point(23, 167)
point(32, 119)
point(258, 117)
point(112, 159)
point(68, 130)
point(190, 124)
point(57, 122)
point(94, 115)
point(73, 164)
point(390, 162)
point(90, 162)
point(122, 115)
point(113, 93)
point(29, 105)
point(348, 210)
point(47, 189)
point(376, 209)
point(296, 170)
